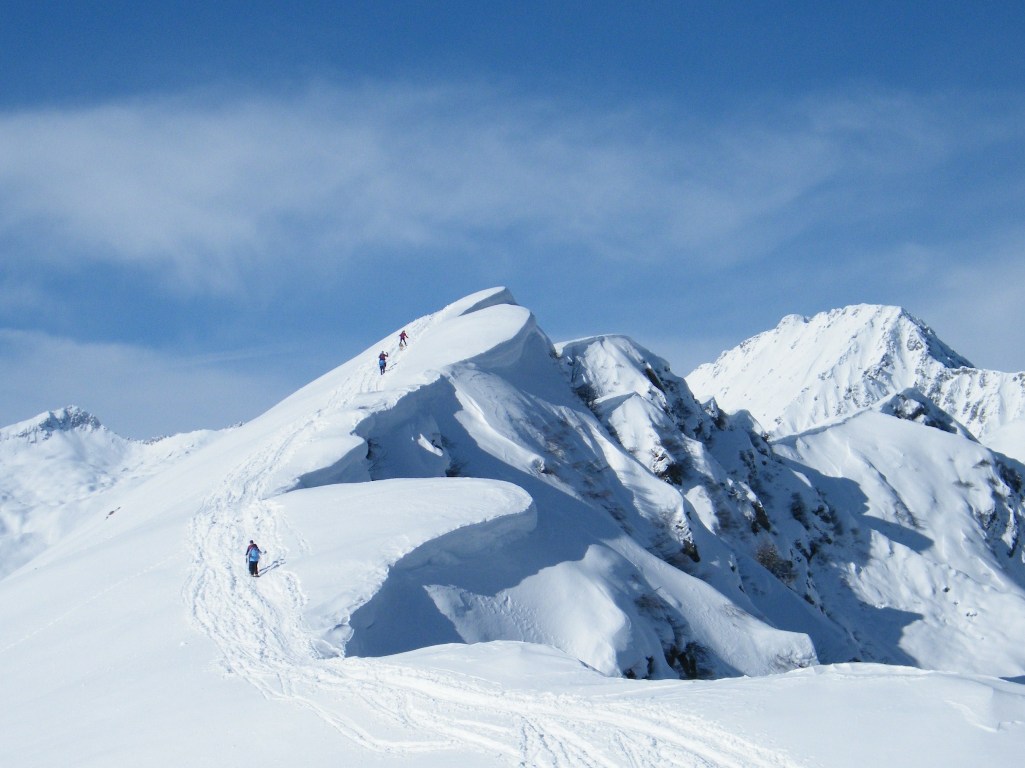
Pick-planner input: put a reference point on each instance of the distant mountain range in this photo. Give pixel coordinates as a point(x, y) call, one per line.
point(840, 488)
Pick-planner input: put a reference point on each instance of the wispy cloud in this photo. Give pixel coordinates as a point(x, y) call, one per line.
point(975, 300)
point(213, 191)
point(137, 392)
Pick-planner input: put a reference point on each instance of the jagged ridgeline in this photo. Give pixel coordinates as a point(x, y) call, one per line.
point(492, 485)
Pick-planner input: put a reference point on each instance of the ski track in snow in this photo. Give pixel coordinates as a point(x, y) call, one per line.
point(259, 630)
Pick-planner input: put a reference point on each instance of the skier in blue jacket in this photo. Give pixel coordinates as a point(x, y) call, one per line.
point(253, 556)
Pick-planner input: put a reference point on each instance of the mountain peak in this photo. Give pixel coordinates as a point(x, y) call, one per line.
point(481, 300)
point(918, 337)
point(44, 425)
point(495, 512)
point(878, 324)
point(807, 370)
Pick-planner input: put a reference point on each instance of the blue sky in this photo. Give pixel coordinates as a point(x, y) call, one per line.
point(203, 206)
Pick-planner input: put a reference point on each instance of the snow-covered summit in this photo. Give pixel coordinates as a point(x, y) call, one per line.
point(62, 468)
point(41, 427)
point(807, 371)
point(493, 518)
point(480, 392)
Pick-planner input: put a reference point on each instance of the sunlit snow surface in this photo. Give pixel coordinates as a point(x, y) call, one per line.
point(460, 562)
point(809, 370)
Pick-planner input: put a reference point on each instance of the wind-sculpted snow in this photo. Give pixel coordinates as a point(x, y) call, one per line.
point(509, 551)
point(482, 395)
point(465, 559)
point(804, 534)
point(352, 539)
point(735, 498)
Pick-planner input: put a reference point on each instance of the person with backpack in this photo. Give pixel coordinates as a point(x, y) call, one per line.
point(382, 361)
point(253, 558)
point(402, 340)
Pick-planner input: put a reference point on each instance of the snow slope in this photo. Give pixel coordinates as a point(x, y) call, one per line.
point(63, 467)
point(891, 536)
point(925, 563)
point(810, 370)
point(480, 393)
point(466, 559)
point(932, 564)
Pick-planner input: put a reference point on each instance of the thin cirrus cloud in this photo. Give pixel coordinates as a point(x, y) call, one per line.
point(975, 303)
point(222, 187)
point(138, 392)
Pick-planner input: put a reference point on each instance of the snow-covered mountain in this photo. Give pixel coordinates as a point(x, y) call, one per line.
point(62, 468)
point(914, 453)
point(844, 533)
point(468, 557)
point(810, 370)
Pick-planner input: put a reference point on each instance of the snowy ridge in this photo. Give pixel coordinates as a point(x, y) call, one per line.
point(933, 524)
point(810, 370)
point(882, 418)
point(804, 526)
point(64, 467)
point(468, 557)
point(45, 425)
point(463, 415)
point(282, 650)
point(738, 497)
